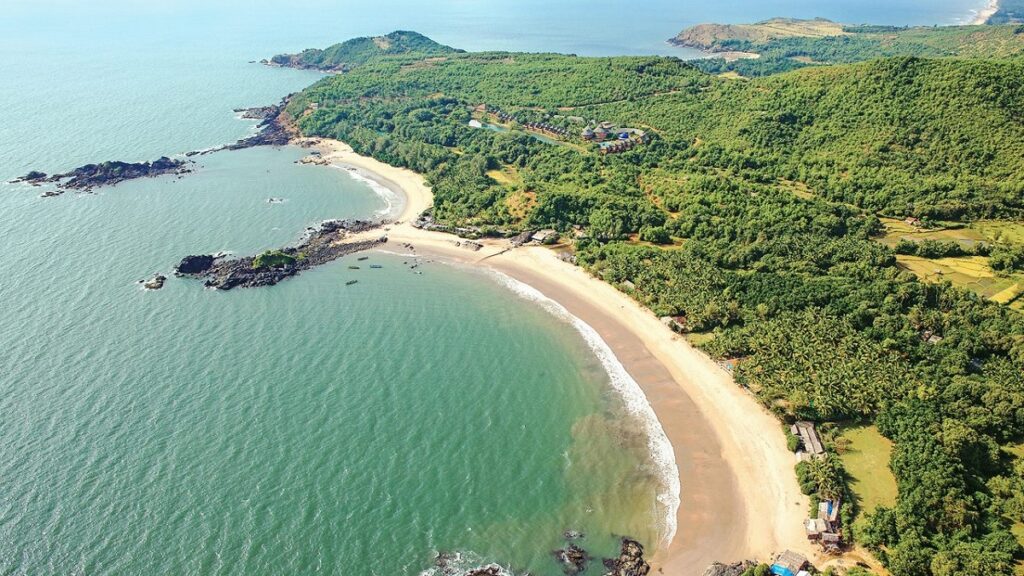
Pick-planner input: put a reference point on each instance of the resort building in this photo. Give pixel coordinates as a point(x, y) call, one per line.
point(826, 528)
point(809, 438)
point(789, 563)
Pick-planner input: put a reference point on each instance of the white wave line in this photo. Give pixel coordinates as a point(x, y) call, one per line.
point(635, 400)
point(393, 201)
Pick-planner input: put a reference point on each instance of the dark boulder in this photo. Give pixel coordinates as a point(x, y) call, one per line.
point(573, 559)
point(195, 264)
point(630, 561)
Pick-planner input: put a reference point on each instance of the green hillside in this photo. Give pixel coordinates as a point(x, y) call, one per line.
point(351, 53)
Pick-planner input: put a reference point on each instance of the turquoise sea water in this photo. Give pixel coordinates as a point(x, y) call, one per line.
point(311, 427)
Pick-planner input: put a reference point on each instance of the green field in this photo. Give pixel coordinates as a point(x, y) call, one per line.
point(866, 459)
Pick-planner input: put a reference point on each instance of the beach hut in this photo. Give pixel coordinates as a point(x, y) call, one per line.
point(809, 438)
point(788, 563)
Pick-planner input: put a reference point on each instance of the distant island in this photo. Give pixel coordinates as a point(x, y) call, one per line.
point(784, 44)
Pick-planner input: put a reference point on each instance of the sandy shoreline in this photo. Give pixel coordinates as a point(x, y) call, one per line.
point(739, 495)
point(985, 13)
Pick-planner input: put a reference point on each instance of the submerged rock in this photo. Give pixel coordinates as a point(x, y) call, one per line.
point(630, 561)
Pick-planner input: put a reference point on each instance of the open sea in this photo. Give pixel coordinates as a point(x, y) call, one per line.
point(311, 427)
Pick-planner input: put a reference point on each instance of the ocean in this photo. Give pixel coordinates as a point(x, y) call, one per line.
point(311, 427)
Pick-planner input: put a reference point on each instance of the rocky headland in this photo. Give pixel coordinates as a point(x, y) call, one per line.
point(86, 178)
point(273, 130)
point(321, 245)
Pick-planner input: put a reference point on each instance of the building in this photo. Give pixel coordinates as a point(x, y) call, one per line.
point(587, 134)
point(544, 236)
point(789, 563)
point(808, 437)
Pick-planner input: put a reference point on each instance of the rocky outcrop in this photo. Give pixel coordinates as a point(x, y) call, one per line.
point(259, 112)
point(322, 245)
point(737, 569)
point(630, 561)
point(85, 178)
point(155, 283)
point(573, 559)
point(271, 131)
point(34, 177)
point(195, 264)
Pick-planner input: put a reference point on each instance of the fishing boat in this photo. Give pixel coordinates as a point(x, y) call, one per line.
point(375, 266)
point(353, 267)
point(351, 282)
point(361, 258)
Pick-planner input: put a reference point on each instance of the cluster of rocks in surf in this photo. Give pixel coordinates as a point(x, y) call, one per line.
point(85, 178)
point(323, 244)
point(573, 559)
point(630, 561)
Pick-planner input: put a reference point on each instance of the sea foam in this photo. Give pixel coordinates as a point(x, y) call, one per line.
point(633, 397)
point(392, 200)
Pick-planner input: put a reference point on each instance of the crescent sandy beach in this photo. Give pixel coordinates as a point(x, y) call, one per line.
point(739, 497)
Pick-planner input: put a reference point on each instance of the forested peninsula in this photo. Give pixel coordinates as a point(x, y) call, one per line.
point(785, 44)
point(791, 225)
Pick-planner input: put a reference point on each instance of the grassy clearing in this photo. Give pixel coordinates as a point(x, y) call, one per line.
point(507, 176)
point(896, 230)
point(700, 338)
point(1000, 232)
point(866, 459)
point(970, 272)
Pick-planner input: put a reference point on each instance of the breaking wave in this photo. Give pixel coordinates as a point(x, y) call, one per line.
point(633, 396)
point(392, 200)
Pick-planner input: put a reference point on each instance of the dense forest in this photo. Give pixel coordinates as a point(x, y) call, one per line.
point(751, 213)
point(803, 43)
